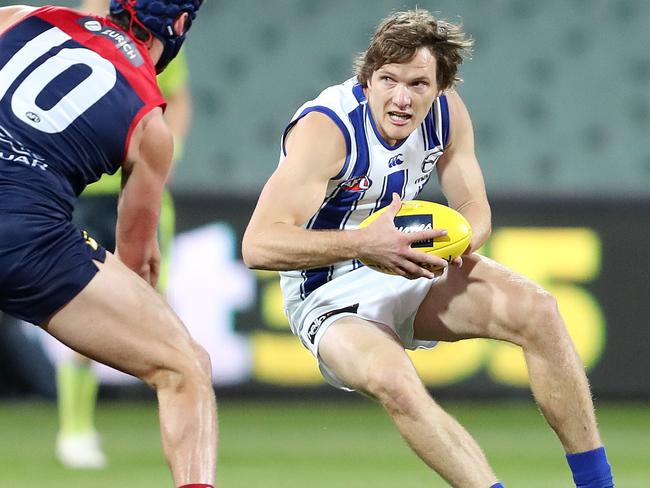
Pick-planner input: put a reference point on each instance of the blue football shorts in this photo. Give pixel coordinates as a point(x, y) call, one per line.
point(44, 263)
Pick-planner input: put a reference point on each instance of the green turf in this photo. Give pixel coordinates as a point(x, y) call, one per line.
point(314, 444)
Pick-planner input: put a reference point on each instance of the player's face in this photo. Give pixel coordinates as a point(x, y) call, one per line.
point(400, 95)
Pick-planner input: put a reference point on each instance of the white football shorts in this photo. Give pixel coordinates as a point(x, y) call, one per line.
point(368, 294)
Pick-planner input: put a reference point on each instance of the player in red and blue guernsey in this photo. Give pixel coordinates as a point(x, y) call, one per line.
point(78, 98)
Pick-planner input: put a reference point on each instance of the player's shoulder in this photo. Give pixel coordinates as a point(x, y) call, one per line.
point(454, 100)
point(156, 133)
point(458, 113)
point(151, 140)
point(54, 12)
point(342, 97)
point(153, 124)
point(13, 14)
point(328, 113)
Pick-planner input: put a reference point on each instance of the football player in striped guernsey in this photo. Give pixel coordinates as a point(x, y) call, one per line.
point(369, 143)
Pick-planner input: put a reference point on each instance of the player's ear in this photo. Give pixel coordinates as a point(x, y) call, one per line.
point(369, 79)
point(180, 24)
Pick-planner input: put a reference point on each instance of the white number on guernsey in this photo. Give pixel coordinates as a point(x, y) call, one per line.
point(56, 119)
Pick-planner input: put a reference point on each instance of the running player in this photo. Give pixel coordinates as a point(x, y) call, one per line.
point(78, 98)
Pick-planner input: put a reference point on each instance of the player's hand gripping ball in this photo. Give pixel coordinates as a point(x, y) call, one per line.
point(418, 215)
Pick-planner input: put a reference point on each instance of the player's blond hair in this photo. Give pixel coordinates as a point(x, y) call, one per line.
point(401, 34)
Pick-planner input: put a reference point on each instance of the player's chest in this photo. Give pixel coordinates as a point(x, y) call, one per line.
point(403, 170)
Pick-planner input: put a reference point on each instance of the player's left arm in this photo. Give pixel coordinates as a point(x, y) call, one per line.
point(460, 175)
point(144, 176)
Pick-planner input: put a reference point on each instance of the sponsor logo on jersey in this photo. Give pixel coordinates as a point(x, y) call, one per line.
point(395, 161)
point(90, 241)
point(361, 183)
point(18, 153)
point(431, 159)
point(422, 180)
point(415, 223)
point(123, 43)
point(316, 324)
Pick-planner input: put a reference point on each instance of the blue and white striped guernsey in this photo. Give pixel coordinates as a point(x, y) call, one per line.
point(372, 172)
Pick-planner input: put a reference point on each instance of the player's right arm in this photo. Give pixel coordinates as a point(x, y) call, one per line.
point(275, 238)
point(10, 15)
point(144, 175)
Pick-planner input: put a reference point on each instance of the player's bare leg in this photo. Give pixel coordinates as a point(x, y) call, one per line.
point(369, 359)
point(484, 299)
point(118, 319)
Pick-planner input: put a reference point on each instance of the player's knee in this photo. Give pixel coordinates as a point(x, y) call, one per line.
point(397, 391)
point(542, 321)
point(188, 366)
point(204, 361)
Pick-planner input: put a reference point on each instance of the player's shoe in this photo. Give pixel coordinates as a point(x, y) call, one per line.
point(80, 451)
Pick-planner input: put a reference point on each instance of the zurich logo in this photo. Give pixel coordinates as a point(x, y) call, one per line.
point(395, 161)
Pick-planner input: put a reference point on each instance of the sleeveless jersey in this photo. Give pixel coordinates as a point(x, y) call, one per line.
point(372, 172)
point(170, 81)
point(72, 89)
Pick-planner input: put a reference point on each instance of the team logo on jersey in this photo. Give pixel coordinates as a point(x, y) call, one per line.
point(431, 159)
point(33, 117)
point(93, 25)
point(123, 43)
point(395, 161)
point(361, 183)
point(316, 324)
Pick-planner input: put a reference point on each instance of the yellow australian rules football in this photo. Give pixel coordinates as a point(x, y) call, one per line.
point(419, 215)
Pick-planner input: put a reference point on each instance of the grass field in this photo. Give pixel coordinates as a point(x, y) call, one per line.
point(314, 444)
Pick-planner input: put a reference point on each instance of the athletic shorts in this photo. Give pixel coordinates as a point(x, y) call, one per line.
point(368, 294)
point(44, 263)
point(97, 214)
